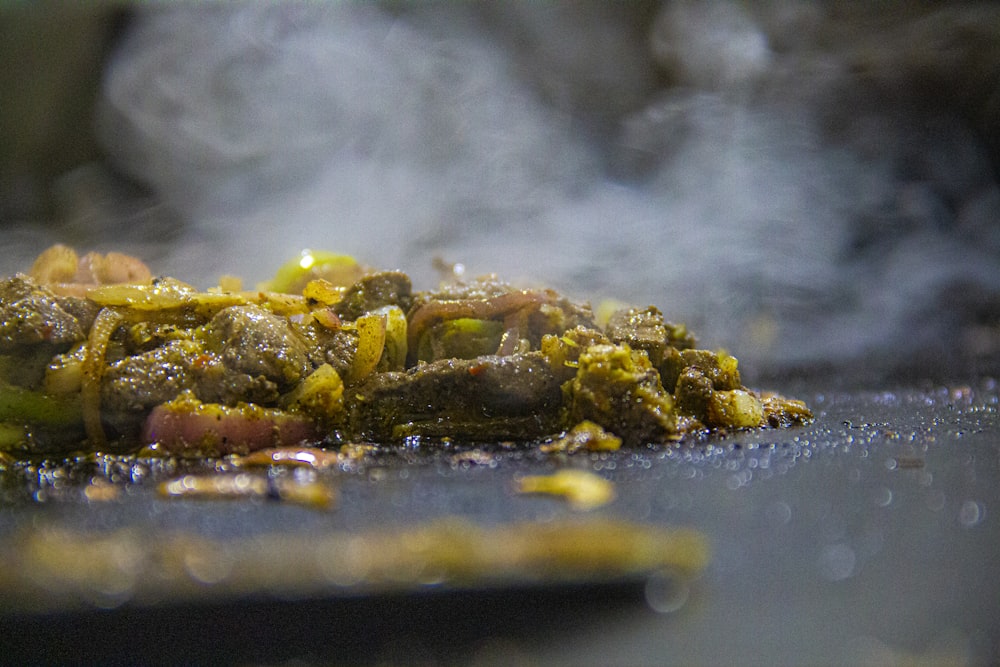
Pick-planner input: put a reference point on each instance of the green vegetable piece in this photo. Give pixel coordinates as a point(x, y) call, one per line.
point(33, 421)
point(461, 338)
point(292, 277)
point(24, 405)
point(12, 436)
point(374, 291)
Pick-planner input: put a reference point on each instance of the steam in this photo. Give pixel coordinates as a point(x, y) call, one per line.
point(716, 162)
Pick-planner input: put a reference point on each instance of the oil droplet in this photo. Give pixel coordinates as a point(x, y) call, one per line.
point(837, 562)
point(779, 513)
point(666, 592)
point(971, 513)
point(883, 497)
point(207, 567)
point(935, 501)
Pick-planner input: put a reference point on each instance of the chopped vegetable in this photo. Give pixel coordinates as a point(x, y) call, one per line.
point(64, 373)
point(461, 338)
point(323, 291)
point(18, 404)
point(340, 270)
point(94, 364)
point(583, 489)
point(305, 457)
point(780, 411)
point(319, 395)
point(586, 436)
point(735, 408)
point(395, 351)
point(371, 343)
point(186, 425)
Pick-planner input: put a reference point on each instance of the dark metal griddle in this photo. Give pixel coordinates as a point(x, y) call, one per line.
point(869, 536)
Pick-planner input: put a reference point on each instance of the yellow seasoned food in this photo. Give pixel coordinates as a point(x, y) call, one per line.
point(583, 490)
point(96, 354)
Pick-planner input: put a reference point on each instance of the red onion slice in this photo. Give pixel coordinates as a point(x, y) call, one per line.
point(188, 425)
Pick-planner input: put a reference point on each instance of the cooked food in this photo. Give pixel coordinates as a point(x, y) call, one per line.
point(60, 568)
point(583, 489)
point(96, 354)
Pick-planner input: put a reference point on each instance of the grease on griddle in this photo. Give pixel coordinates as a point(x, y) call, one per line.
point(229, 486)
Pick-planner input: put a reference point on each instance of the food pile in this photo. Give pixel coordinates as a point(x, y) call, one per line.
point(96, 354)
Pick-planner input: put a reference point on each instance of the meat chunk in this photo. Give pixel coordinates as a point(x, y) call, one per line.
point(719, 368)
point(244, 354)
point(253, 342)
point(487, 398)
point(646, 330)
point(31, 314)
point(133, 385)
point(385, 288)
point(324, 346)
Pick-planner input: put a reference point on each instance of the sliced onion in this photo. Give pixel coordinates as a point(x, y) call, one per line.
point(371, 343)
point(186, 424)
point(305, 457)
point(428, 314)
point(395, 336)
point(93, 371)
point(164, 294)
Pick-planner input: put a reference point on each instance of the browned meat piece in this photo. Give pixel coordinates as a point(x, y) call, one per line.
point(31, 314)
point(254, 342)
point(489, 398)
point(720, 369)
point(646, 330)
point(386, 288)
point(134, 385)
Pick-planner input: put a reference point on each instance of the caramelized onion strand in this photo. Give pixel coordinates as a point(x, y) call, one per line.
point(108, 319)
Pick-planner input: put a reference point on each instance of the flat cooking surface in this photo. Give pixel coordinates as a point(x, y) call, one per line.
point(868, 536)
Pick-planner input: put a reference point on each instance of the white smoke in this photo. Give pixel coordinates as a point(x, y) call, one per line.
point(720, 160)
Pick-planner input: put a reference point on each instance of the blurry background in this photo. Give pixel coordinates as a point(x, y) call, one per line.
point(811, 185)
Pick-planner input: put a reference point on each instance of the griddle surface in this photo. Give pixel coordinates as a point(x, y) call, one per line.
point(868, 536)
